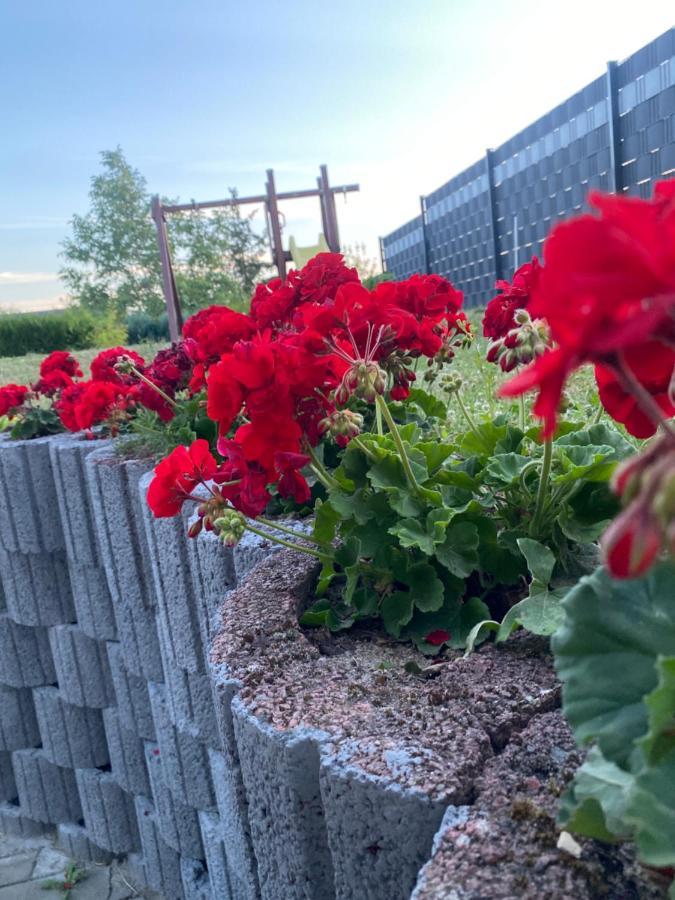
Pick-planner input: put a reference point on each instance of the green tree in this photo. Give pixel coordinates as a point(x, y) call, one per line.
point(111, 257)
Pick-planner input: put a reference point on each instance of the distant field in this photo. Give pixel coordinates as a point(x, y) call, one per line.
point(24, 369)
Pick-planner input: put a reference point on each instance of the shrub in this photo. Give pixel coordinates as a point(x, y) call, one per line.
point(21, 333)
point(142, 327)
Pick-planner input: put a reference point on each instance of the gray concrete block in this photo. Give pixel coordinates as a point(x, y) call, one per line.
point(178, 823)
point(37, 588)
point(195, 879)
point(72, 736)
point(184, 757)
point(213, 838)
point(82, 667)
point(25, 656)
point(14, 822)
point(68, 453)
point(232, 801)
point(108, 811)
point(189, 694)
point(280, 771)
point(8, 791)
point(47, 793)
point(131, 692)
point(213, 576)
point(137, 633)
point(127, 754)
point(92, 601)
point(379, 833)
point(29, 507)
point(174, 587)
point(116, 506)
point(161, 862)
point(251, 550)
point(18, 724)
point(74, 840)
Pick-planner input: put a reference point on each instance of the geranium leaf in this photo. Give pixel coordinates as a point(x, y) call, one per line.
point(606, 653)
point(397, 610)
point(651, 810)
point(595, 804)
point(505, 468)
point(540, 560)
point(458, 552)
point(660, 739)
point(411, 533)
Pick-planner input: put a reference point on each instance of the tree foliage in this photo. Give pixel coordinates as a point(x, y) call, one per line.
point(111, 256)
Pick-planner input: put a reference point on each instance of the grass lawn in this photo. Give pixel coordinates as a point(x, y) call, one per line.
point(24, 369)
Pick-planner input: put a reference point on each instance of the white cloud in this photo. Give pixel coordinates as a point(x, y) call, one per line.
point(27, 278)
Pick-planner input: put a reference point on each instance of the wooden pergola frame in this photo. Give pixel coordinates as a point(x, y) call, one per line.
point(270, 199)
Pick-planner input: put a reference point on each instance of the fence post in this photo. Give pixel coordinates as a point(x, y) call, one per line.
point(425, 239)
point(616, 180)
point(383, 260)
point(489, 169)
point(173, 310)
point(275, 227)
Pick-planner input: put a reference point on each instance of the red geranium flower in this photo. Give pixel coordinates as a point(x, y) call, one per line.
point(498, 319)
point(96, 402)
point(103, 365)
point(438, 637)
point(60, 361)
point(653, 364)
point(54, 381)
point(67, 403)
point(11, 396)
point(608, 285)
point(632, 542)
point(291, 482)
point(177, 475)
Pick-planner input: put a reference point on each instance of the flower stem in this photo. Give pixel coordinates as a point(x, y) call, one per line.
point(469, 418)
point(521, 412)
point(154, 387)
point(598, 415)
point(378, 420)
point(543, 487)
point(286, 530)
point(369, 453)
point(284, 543)
point(320, 470)
point(396, 435)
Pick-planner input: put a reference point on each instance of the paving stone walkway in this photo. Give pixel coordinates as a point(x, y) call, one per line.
point(26, 863)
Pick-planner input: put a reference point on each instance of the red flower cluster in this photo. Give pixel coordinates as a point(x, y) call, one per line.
point(499, 322)
point(57, 372)
point(607, 288)
point(210, 333)
point(103, 366)
point(178, 475)
point(170, 371)
point(87, 403)
point(11, 397)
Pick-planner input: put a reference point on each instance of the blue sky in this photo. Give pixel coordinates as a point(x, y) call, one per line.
point(207, 94)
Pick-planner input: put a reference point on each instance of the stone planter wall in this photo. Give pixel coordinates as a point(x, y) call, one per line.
point(156, 704)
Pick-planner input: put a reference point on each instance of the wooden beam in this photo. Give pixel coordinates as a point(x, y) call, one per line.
point(171, 300)
point(258, 198)
point(275, 226)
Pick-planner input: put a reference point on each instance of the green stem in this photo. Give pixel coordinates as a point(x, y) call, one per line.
point(521, 413)
point(286, 530)
point(278, 540)
point(469, 418)
point(598, 415)
point(369, 453)
point(393, 428)
point(154, 387)
point(543, 487)
point(320, 470)
point(378, 420)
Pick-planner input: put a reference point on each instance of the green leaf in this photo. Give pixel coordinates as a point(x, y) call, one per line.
point(578, 531)
point(606, 654)
point(540, 613)
point(660, 703)
point(595, 804)
point(651, 809)
point(411, 533)
point(479, 633)
point(425, 587)
point(505, 468)
point(458, 552)
point(317, 614)
point(356, 505)
point(599, 435)
point(397, 610)
point(540, 560)
point(326, 519)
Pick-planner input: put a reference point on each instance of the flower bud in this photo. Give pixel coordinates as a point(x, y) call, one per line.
point(230, 527)
point(195, 528)
point(452, 383)
point(342, 423)
point(632, 542)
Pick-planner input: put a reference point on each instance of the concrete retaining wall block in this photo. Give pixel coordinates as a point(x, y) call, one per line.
point(92, 600)
point(14, 822)
point(37, 588)
point(281, 776)
point(178, 823)
point(25, 657)
point(73, 839)
point(82, 667)
point(213, 575)
point(18, 724)
point(47, 793)
point(8, 791)
point(161, 862)
point(29, 507)
point(127, 755)
point(364, 812)
point(72, 736)
point(131, 692)
point(185, 762)
point(216, 857)
point(108, 811)
point(196, 884)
